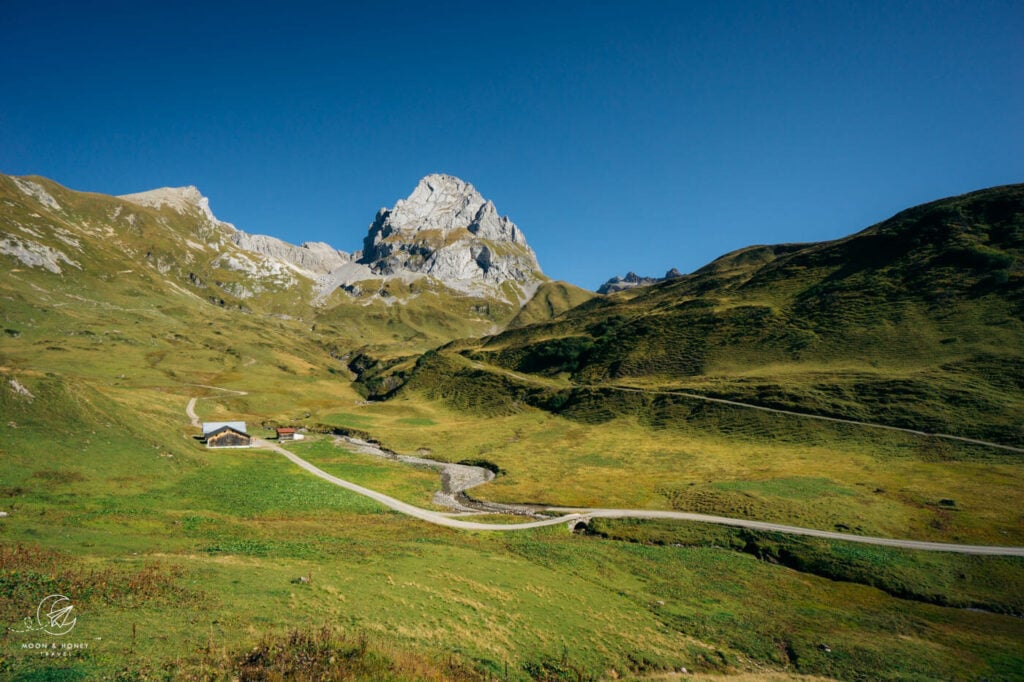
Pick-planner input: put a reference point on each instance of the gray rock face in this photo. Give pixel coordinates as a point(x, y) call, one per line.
point(633, 280)
point(439, 202)
point(317, 258)
point(446, 230)
point(35, 255)
point(35, 190)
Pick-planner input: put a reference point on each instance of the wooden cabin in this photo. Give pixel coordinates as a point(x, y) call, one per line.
point(226, 435)
point(286, 433)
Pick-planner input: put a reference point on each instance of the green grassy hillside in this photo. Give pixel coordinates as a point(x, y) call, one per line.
point(118, 251)
point(601, 406)
point(550, 300)
point(186, 564)
point(915, 322)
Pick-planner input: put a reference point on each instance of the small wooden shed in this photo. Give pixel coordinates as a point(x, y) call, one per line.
point(226, 435)
point(285, 433)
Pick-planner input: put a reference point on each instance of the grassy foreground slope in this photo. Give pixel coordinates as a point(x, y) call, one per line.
point(180, 560)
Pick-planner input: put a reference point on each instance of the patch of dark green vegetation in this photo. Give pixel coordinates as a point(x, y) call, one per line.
point(566, 354)
point(378, 378)
point(331, 656)
point(334, 430)
point(483, 463)
point(59, 476)
point(464, 387)
point(65, 673)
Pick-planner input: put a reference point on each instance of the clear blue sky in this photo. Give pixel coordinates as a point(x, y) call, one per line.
point(618, 135)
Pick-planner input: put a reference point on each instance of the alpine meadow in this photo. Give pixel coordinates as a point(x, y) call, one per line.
point(800, 461)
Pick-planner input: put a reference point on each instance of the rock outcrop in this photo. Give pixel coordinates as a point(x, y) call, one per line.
point(633, 280)
point(35, 255)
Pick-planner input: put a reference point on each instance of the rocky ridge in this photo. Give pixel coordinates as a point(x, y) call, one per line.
point(166, 247)
point(312, 259)
point(315, 258)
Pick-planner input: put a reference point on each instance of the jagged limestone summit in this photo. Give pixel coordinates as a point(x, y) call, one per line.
point(447, 231)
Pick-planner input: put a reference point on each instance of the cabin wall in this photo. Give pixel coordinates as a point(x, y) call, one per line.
point(228, 440)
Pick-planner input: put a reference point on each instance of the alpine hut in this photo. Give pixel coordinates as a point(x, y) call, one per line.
point(226, 435)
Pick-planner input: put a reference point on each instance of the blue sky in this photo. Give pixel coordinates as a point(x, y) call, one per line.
point(619, 136)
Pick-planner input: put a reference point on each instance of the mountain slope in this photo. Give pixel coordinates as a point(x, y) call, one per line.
point(917, 321)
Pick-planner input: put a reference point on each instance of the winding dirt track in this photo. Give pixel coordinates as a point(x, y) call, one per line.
point(190, 409)
point(575, 515)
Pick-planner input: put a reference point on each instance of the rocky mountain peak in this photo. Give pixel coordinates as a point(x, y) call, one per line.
point(444, 230)
point(444, 203)
point(438, 202)
point(448, 231)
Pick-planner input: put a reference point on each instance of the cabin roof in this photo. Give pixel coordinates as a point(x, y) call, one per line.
point(225, 429)
point(210, 427)
point(286, 429)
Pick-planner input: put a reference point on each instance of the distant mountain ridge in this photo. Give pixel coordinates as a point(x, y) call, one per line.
point(633, 280)
point(314, 258)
